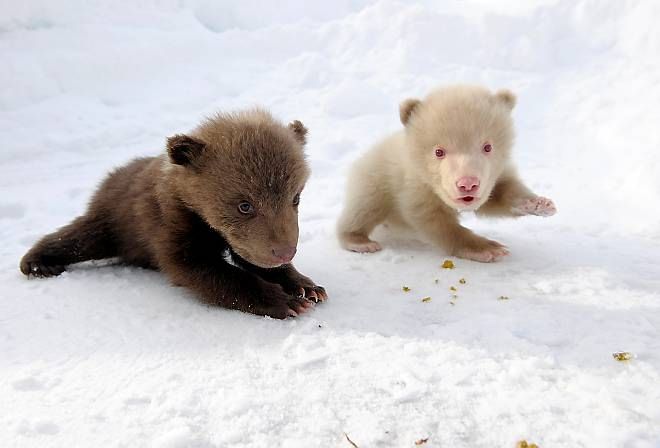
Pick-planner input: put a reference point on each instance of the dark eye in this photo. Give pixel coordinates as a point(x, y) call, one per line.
point(296, 199)
point(245, 208)
point(440, 152)
point(488, 147)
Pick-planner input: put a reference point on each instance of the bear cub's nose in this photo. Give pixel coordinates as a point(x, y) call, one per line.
point(468, 184)
point(284, 254)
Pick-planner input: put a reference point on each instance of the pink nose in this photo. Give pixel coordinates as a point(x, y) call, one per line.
point(468, 184)
point(284, 254)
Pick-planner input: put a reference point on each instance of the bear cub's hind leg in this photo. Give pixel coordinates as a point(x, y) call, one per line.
point(366, 207)
point(84, 239)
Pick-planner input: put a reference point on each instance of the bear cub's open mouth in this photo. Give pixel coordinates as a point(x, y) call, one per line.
point(466, 199)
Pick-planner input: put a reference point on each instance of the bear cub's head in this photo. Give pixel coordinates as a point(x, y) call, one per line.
point(243, 173)
point(459, 140)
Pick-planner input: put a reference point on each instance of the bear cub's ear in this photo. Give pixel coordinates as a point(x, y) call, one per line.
point(183, 149)
point(299, 131)
point(406, 109)
point(506, 97)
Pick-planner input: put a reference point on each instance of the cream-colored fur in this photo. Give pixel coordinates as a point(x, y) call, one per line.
point(401, 179)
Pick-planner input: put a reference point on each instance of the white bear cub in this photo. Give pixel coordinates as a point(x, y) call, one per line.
point(453, 155)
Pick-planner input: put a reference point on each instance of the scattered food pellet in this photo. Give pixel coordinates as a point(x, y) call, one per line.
point(451, 302)
point(525, 444)
point(452, 288)
point(435, 281)
point(448, 264)
point(622, 356)
point(421, 441)
point(503, 298)
point(405, 288)
point(462, 281)
point(426, 299)
point(454, 297)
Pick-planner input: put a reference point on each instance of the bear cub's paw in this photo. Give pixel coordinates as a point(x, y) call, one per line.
point(360, 243)
point(312, 292)
point(486, 251)
point(364, 248)
point(538, 206)
point(278, 304)
point(304, 287)
point(39, 269)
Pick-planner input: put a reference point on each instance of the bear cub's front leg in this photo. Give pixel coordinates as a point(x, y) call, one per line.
point(441, 225)
point(511, 197)
point(288, 278)
point(233, 287)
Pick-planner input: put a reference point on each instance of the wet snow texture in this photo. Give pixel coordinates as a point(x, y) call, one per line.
point(114, 356)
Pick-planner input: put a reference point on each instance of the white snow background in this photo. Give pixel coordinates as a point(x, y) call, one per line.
point(108, 356)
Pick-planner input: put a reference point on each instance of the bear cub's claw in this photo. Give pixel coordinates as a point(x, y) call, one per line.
point(303, 287)
point(538, 206)
point(40, 270)
point(314, 293)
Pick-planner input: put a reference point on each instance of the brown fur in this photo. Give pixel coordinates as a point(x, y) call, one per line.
point(180, 214)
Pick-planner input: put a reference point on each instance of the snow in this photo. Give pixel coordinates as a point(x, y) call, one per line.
point(115, 356)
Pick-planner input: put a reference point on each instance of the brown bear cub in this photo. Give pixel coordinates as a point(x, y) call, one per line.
point(218, 214)
point(453, 155)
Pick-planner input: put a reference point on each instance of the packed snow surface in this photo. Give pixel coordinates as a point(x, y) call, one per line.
point(115, 356)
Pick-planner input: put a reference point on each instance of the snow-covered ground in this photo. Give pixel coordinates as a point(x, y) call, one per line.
point(114, 356)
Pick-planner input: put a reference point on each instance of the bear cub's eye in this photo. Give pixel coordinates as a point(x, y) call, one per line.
point(296, 200)
point(440, 152)
point(245, 208)
point(488, 147)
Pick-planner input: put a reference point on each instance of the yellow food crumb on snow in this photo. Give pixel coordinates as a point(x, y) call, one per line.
point(462, 281)
point(503, 298)
point(622, 356)
point(405, 288)
point(426, 299)
point(448, 264)
point(525, 444)
point(452, 288)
